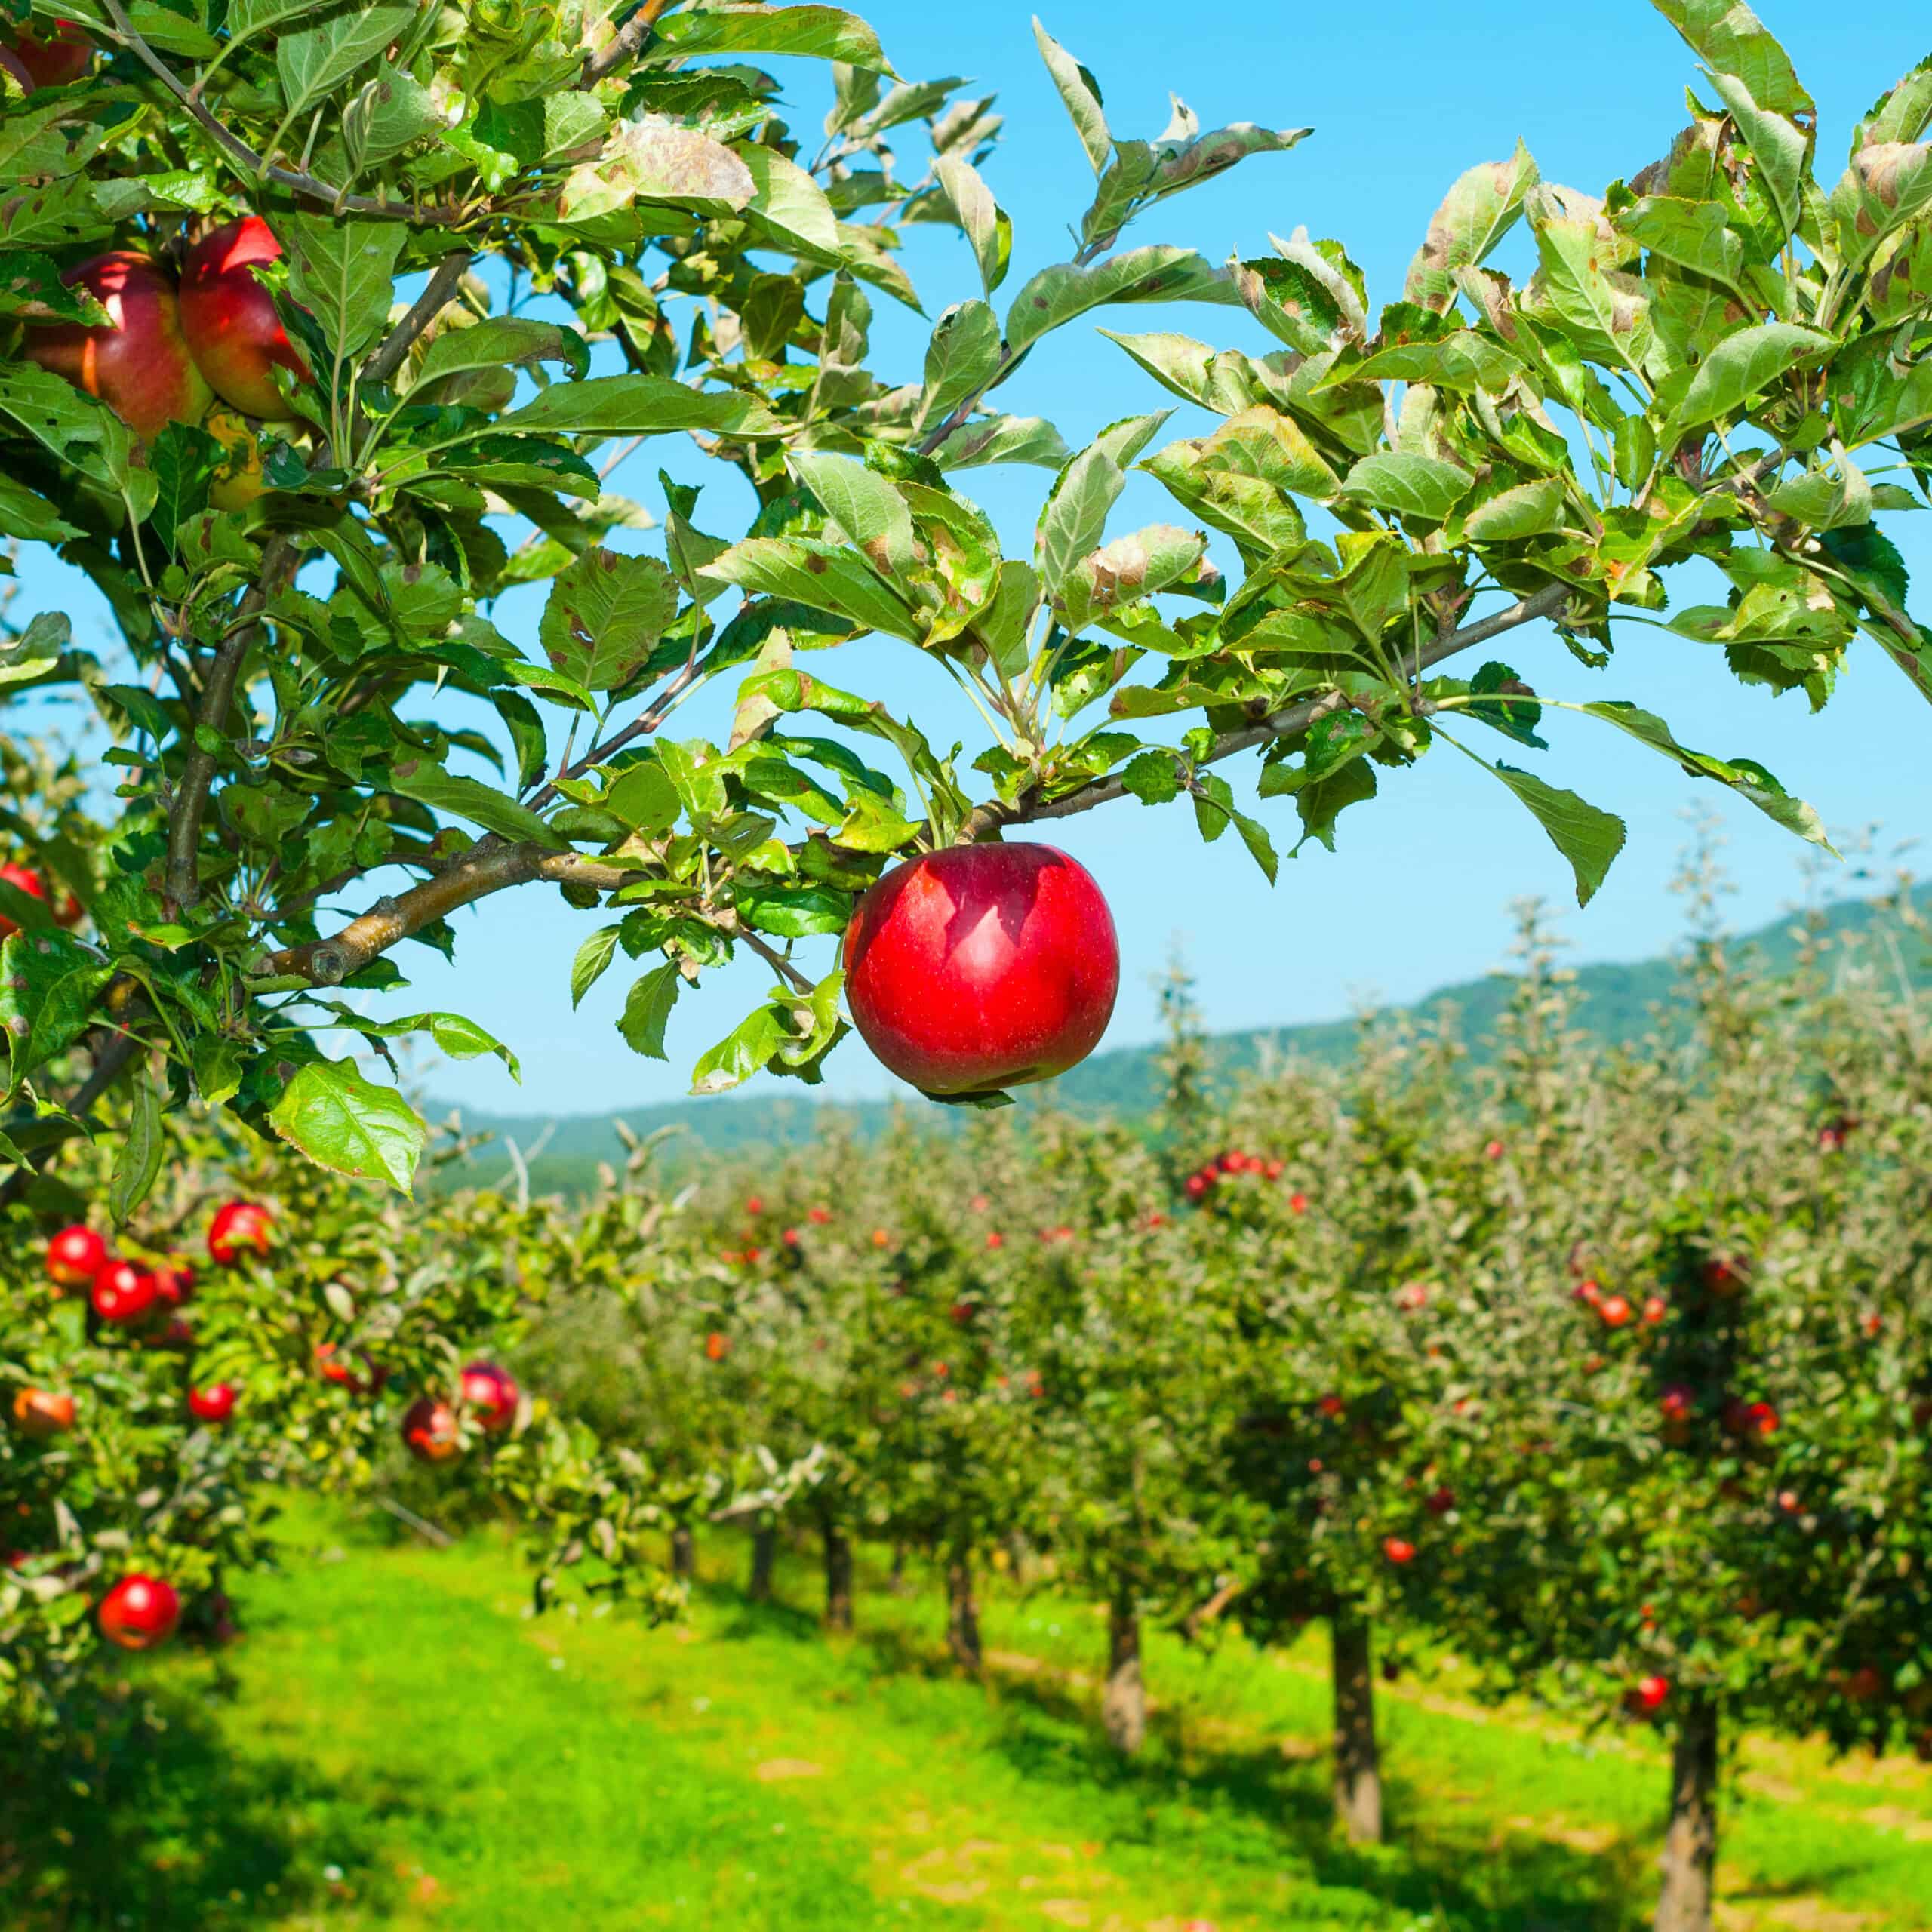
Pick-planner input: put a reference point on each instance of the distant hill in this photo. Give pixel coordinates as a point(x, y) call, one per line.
point(1617, 1003)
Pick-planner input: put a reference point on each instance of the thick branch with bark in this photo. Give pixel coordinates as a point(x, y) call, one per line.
point(488, 867)
point(626, 44)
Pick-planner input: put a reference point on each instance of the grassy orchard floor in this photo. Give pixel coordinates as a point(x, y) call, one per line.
point(405, 1749)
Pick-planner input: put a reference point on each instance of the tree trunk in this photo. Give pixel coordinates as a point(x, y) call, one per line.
point(1690, 1844)
point(1018, 1556)
point(765, 1555)
point(838, 1578)
point(1123, 1702)
point(683, 1552)
point(897, 1582)
point(962, 1614)
point(1357, 1767)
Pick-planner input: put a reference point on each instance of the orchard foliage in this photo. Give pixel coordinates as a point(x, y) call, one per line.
point(1721, 361)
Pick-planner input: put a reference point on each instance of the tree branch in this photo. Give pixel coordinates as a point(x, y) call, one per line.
point(488, 867)
point(338, 201)
point(183, 881)
point(1026, 810)
point(639, 727)
point(492, 865)
point(427, 307)
point(626, 44)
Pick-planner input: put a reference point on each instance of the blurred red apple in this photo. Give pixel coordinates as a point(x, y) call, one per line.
point(240, 1226)
point(229, 318)
point(75, 1256)
point(492, 1394)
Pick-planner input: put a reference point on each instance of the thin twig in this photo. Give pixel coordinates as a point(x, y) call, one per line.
point(774, 959)
point(627, 44)
point(184, 881)
point(640, 727)
point(338, 201)
point(1545, 603)
point(427, 307)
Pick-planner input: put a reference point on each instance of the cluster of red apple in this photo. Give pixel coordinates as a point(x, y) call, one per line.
point(172, 352)
point(1203, 1180)
point(142, 1611)
point(1615, 1310)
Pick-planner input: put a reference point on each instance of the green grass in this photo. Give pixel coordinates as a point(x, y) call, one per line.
point(396, 1744)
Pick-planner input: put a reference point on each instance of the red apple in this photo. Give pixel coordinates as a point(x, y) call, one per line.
point(881, 1238)
point(139, 363)
point(139, 1612)
point(717, 1346)
point(1297, 1204)
point(229, 318)
point(215, 1404)
point(430, 1430)
point(1398, 1550)
point(1493, 1150)
point(368, 1381)
point(818, 1216)
point(492, 1395)
point(1655, 1309)
point(42, 1412)
point(1677, 1401)
point(1441, 1501)
point(240, 1226)
point(63, 56)
point(1866, 1685)
point(1333, 1407)
point(983, 966)
point(75, 1256)
point(67, 912)
point(1615, 1310)
point(754, 1206)
point(124, 1294)
point(1724, 1278)
point(1649, 1696)
point(175, 1283)
point(995, 1240)
point(1197, 1186)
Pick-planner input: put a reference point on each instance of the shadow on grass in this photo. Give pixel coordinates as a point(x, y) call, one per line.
point(167, 1830)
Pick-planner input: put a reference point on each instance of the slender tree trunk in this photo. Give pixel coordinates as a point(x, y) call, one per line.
point(1123, 1702)
point(1358, 1766)
point(838, 1577)
point(683, 1552)
point(1018, 1556)
point(765, 1555)
point(1690, 1844)
point(897, 1582)
point(962, 1614)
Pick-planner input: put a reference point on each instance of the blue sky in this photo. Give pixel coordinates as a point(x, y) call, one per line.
point(1403, 97)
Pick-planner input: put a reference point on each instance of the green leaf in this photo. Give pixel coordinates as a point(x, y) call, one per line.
point(48, 981)
point(604, 615)
point(1525, 509)
point(592, 956)
point(872, 513)
point(453, 1033)
point(812, 33)
point(1742, 366)
point(823, 577)
point(1730, 38)
point(313, 60)
point(987, 226)
point(644, 797)
point(1075, 512)
point(791, 207)
point(648, 1010)
point(1744, 777)
point(961, 359)
point(470, 799)
point(1604, 312)
point(1417, 486)
point(331, 1113)
point(1589, 838)
point(1081, 94)
point(504, 339)
point(138, 1163)
point(794, 911)
point(1157, 274)
point(988, 439)
point(35, 652)
point(1475, 216)
point(638, 406)
point(343, 271)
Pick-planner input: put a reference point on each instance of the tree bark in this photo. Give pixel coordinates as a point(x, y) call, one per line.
point(1691, 1843)
point(962, 1614)
point(897, 1582)
point(683, 1552)
point(838, 1577)
point(1123, 1702)
point(765, 1555)
point(1358, 1766)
